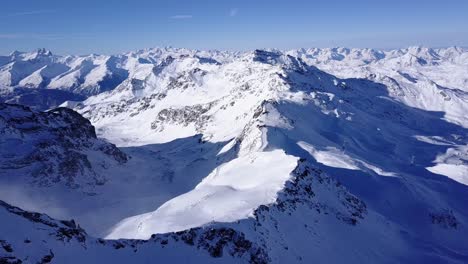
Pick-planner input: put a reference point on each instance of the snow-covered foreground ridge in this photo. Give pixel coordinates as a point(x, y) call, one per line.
point(261, 157)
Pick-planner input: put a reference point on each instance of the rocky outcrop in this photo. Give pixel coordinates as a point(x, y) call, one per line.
point(52, 147)
point(195, 114)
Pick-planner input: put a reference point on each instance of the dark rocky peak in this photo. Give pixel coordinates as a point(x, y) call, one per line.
point(40, 55)
point(62, 120)
point(43, 52)
point(47, 148)
point(77, 123)
point(286, 61)
point(163, 64)
point(264, 56)
point(206, 60)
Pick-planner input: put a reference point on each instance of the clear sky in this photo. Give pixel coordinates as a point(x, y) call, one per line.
point(112, 26)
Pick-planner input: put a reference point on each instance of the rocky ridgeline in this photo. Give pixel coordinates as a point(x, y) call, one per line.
point(247, 241)
point(52, 147)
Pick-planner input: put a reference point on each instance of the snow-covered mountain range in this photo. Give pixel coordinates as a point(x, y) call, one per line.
point(268, 156)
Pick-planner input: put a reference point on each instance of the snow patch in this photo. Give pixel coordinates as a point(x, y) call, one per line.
point(336, 158)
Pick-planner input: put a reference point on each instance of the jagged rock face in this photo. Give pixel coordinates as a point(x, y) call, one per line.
point(184, 116)
point(300, 191)
point(51, 147)
point(248, 241)
point(65, 230)
point(54, 240)
point(304, 224)
point(38, 99)
point(12, 249)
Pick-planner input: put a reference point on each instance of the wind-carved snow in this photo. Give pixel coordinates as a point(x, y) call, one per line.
point(453, 164)
point(334, 157)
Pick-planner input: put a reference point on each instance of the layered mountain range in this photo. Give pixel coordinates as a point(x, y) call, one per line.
point(325, 155)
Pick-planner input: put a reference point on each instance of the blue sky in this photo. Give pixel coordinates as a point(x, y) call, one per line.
point(92, 26)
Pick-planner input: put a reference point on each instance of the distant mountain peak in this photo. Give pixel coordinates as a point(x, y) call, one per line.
point(44, 52)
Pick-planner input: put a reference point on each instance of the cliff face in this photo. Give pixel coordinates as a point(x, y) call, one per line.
point(49, 148)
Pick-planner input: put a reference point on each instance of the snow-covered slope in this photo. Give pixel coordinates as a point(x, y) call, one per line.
point(50, 148)
point(321, 155)
point(314, 219)
point(43, 80)
point(29, 237)
point(426, 78)
point(50, 160)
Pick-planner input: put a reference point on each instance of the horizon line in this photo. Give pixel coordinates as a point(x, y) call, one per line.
point(239, 50)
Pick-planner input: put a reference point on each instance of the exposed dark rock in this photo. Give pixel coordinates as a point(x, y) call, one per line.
point(300, 191)
point(52, 145)
point(445, 219)
point(47, 258)
point(65, 230)
point(195, 114)
point(6, 247)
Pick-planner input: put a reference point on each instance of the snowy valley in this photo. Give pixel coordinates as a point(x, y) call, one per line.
point(268, 156)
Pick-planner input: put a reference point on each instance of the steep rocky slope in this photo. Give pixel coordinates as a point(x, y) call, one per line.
point(49, 148)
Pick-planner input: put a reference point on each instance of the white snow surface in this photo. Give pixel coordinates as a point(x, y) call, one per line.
point(315, 155)
point(338, 159)
point(453, 164)
point(229, 193)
